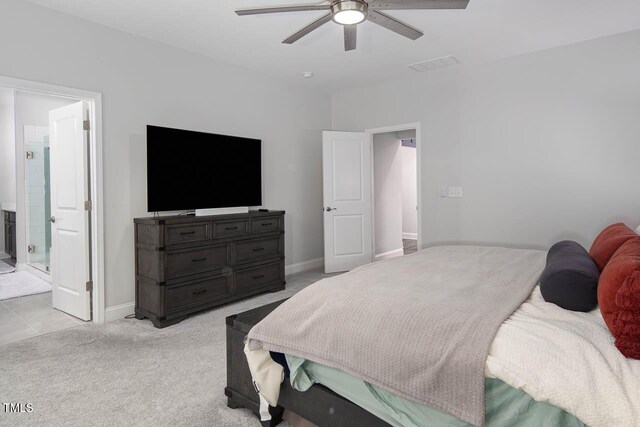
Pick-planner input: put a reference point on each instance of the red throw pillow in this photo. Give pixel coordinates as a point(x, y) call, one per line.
point(608, 242)
point(619, 297)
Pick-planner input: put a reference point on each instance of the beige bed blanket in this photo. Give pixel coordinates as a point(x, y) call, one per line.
point(419, 326)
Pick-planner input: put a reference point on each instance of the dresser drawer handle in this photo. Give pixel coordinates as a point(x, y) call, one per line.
point(200, 292)
point(267, 224)
point(258, 249)
point(260, 276)
point(198, 260)
point(185, 233)
point(231, 228)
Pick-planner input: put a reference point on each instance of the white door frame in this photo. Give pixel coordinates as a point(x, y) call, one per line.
point(94, 99)
point(397, 128)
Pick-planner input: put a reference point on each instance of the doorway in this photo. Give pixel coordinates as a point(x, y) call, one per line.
point(348, 198)
point(37, 174)
point(33, 179)
point(395, 194)
point(53, 194)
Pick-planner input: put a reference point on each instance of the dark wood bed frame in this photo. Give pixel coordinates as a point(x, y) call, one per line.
point(319, 405)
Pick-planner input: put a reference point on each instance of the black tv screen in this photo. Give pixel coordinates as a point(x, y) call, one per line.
point(195, 170)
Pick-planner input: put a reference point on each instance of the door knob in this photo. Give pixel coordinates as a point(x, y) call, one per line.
point(331, 209)
point(52, 219)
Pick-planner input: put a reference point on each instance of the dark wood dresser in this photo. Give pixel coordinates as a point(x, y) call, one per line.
point(185, 264)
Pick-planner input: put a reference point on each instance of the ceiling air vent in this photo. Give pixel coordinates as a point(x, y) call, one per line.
point(432, 64)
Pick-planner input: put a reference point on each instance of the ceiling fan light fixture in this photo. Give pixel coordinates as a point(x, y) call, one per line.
point(349, 12)
point(349, 17)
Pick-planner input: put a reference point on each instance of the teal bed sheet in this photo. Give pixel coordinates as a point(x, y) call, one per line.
point(505, 406)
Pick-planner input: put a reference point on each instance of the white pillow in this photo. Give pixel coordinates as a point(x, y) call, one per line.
point(638, 230)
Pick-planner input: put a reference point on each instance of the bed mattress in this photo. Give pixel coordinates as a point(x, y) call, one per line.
point(559, 363)
point(547, 354)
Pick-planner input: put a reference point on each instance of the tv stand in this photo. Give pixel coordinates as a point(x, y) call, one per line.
point(186, 264)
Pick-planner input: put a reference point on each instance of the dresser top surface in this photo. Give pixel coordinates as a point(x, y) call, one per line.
point(192, 218)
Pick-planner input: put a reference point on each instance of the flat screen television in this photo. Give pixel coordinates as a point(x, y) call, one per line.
point(194, 170)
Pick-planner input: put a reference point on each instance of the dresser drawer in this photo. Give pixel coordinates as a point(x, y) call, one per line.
point(254, 278)
point(185, 233)
point(254, 250)
point(263, 225)
point(230, 228)
point(197, 260)
point(197, 292)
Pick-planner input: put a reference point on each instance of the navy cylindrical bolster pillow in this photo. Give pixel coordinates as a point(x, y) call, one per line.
point(570, 278)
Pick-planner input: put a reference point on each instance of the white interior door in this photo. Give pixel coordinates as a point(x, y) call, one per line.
point(69, 220)
point(347, 200)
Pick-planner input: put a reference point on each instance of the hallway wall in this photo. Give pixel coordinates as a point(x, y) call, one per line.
point(409, 192)
point(387, 184)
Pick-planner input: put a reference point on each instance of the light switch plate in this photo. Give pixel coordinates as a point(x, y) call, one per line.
point(455, 192)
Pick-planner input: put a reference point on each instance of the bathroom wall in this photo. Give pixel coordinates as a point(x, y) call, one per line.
point(7, 154)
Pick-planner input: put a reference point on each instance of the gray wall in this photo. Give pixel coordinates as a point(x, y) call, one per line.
point(546, 145)
point(144, 82)
point(7, 155)
point(387, 191)
point(409, 191)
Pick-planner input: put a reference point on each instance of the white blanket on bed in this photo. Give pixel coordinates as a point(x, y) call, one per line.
point(567, 359)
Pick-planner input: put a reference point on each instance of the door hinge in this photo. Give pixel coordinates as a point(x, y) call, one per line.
point(88, 206)
point(86, 125)
point(90, 286)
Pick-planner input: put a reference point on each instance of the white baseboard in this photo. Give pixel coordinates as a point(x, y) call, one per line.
point(410, 236)
point(119, 311)
point(303, 266)
point(391, 254)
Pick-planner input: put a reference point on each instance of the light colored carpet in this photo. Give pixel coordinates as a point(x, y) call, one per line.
point(129, 373)
point(21, 283)
point(6, 268)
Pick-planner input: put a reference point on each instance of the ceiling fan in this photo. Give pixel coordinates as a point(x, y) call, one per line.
point(350, 13)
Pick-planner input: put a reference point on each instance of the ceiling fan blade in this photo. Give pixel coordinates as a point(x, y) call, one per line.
point(350, 37)
point(306, 30)
point(393, 24)
point(417, 4)
point(279, 9)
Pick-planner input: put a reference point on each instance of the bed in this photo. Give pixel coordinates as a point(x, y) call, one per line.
point(540, 362)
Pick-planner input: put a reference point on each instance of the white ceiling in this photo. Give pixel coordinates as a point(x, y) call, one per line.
point(485, 31)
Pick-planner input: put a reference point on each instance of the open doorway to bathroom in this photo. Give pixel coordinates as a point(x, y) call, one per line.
point(395, 192)
point(34, 176)
point(45, 198)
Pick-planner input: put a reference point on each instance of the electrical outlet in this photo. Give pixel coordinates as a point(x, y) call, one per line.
point(455, 192)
